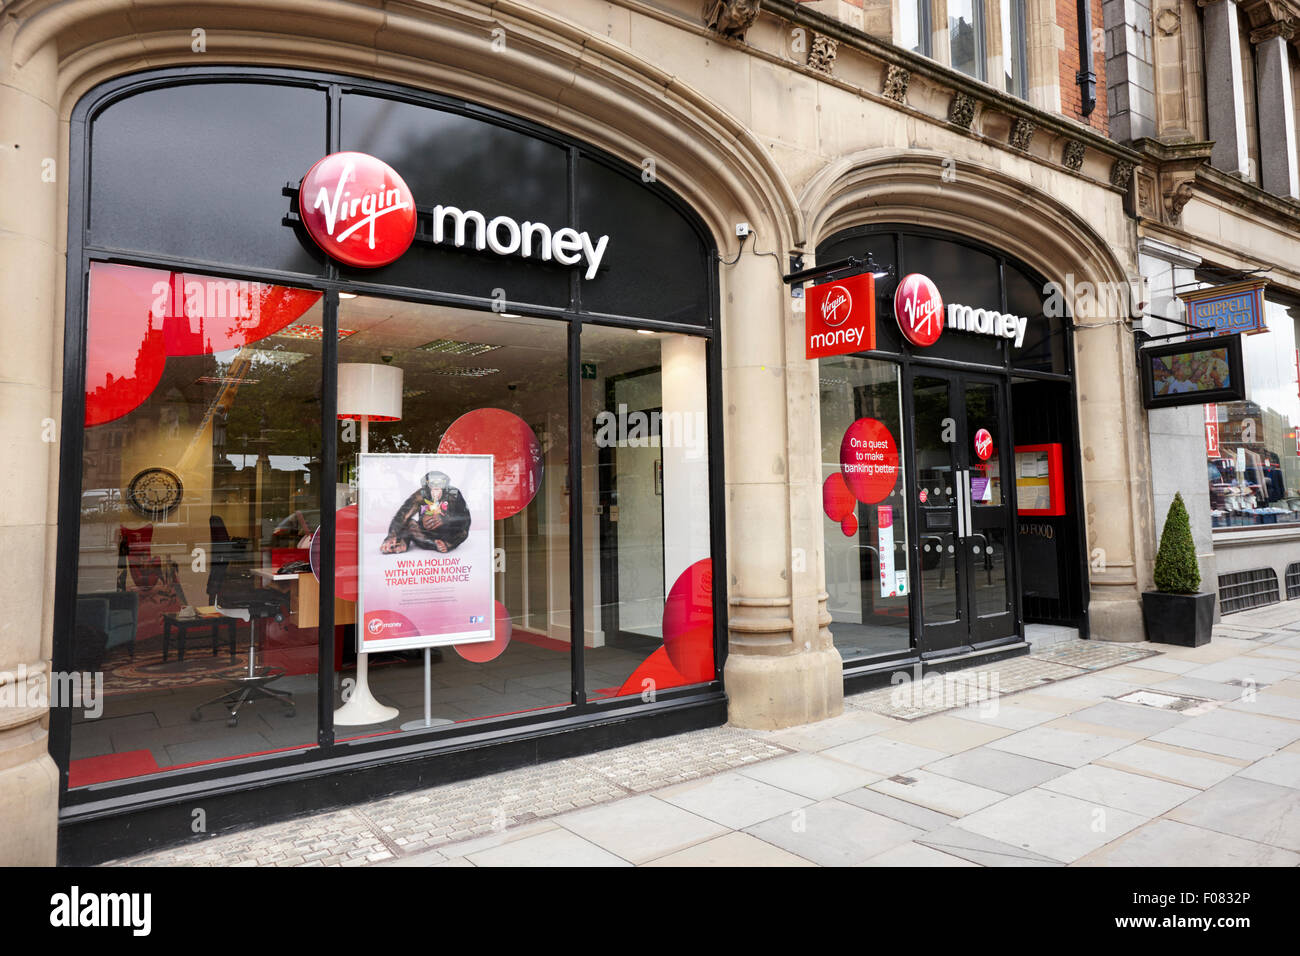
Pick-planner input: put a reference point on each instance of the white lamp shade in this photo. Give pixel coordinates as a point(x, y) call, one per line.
point(370, 391)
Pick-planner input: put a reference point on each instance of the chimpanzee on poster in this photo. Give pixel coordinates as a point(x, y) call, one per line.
point(435, 518)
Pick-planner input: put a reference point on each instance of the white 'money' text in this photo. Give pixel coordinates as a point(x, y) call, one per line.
point(506, 237)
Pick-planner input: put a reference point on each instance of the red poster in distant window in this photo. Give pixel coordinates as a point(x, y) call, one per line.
point(840, 317)
point(1211, 430)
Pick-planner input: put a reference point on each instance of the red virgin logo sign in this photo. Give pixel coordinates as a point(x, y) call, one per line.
point(840, 317)
point(918, 307)
point(836, 306)
point(983, 444)
point(357, 209)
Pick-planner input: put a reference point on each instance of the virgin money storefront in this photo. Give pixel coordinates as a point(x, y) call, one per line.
point(951, 491)
point(390, 432)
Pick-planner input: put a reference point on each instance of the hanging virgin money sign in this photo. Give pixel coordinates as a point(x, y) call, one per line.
point(840, 317)
point(424, 551)
point(360, 211)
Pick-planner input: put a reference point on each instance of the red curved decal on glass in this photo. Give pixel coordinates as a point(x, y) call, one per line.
point(849, 525)
point(484, 651)
point(137, 318)
point(983, 444)
point(687, 653)
point(516, 454)
point(869, 459)
point(837, 500)
point(357, 209)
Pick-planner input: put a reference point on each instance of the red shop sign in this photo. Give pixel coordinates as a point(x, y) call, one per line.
point(983, 444)
point(357, 209)
point(840, 317)
point(918, 307)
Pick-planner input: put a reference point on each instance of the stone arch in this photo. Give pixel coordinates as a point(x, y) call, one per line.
point(1057, 240)
point(545, 68)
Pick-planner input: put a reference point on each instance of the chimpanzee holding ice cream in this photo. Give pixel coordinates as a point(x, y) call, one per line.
point(435, 517)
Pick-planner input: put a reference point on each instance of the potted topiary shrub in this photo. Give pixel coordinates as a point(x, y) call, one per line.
point(1178, 612)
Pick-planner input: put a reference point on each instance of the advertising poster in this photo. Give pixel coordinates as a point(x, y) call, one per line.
point(424, 551)
point(885, 542)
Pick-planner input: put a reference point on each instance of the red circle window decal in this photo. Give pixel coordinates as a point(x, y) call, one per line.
point(918, 308)
point(983, 444)
point(869, 460)
point(357, 209)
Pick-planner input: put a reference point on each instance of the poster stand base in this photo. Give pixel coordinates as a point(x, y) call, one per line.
point(429, 720)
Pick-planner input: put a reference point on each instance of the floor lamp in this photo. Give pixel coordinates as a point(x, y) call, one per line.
point(367, 393)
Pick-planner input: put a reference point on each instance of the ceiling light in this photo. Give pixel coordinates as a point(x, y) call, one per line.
point(453, 347)
point(347, 295)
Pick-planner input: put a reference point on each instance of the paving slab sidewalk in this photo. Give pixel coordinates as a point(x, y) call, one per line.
point(1036, 761)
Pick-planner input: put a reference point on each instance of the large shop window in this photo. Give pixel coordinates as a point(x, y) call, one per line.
point(501, 423)
point(1255, 475)
point(866, 527)
point(200, 494)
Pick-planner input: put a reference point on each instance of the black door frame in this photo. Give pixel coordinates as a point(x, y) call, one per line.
point(968, 631)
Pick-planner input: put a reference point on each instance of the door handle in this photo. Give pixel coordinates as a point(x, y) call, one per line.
point(957, 500)
point(965, 497)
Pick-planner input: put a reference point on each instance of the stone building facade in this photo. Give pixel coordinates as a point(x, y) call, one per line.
point(806, 121)
point(1207, 92)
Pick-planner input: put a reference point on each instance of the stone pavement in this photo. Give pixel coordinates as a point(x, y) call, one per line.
point(1082, 753)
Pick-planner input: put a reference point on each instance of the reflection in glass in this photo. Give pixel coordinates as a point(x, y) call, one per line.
point(963, 38)
point(987, 539)
point(1255, 478)
point(200, 492)
point(645, 485)
point(868, 603)
point(936, 493)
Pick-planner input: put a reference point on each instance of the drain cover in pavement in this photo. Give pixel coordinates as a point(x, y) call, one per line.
point(1178, 702)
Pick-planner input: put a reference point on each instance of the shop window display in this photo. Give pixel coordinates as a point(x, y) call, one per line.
point(1252, 450)
point(200, 491)
point(865, 524)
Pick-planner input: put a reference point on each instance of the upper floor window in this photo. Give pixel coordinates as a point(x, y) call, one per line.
point(985, 39)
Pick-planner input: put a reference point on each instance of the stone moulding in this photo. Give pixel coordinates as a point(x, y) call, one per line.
point(1072, 155)
point(730, 18)
point(961, 112)
point(1022, 131)
point(896, 80)
point(821, 55)
point(1121, 174)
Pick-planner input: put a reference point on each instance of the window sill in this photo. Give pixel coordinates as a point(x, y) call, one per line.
point(1248, 534)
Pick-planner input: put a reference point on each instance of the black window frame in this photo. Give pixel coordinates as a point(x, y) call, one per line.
point(359, 765)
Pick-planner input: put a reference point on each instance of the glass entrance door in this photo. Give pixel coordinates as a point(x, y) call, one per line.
point(963, 510)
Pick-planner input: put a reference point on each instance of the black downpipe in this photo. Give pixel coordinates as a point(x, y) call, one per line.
point(1087, 75)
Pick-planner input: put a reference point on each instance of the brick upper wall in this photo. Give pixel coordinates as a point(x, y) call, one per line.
point(1067, 17)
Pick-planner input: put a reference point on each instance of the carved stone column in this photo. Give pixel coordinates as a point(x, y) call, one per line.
point(32, 171)
point(1225, 102)
point(782, 668)
point(1275, 103)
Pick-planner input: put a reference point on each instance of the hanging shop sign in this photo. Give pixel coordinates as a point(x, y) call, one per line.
point(360, 211)
point(1227, 309)
point(840, 317)
point(919, 310)
point(424, 551)
point(1193, 372)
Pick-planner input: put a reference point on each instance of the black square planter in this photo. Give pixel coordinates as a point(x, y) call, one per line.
point(1182, 619)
